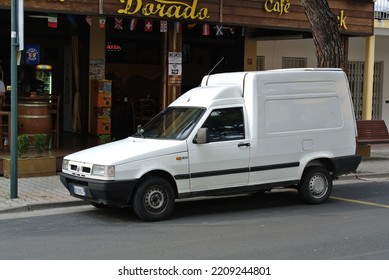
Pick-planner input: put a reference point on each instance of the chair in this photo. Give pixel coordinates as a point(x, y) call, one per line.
point(55, 105)
point(2, 100)
point(5, 124)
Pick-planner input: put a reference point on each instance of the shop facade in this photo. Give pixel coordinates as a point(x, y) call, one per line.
point(153, 49)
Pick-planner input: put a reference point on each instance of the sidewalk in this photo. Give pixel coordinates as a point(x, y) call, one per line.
point(35, 193)
point(45, 192)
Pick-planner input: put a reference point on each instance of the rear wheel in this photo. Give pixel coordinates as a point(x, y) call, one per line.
point(316, 185)
point(154, 199)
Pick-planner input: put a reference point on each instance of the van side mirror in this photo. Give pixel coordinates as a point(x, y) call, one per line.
point(202, 136)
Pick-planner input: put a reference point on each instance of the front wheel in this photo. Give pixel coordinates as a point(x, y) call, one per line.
point(316, 185)
point(154, 199)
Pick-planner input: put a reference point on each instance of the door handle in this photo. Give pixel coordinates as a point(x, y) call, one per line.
point(244, 145)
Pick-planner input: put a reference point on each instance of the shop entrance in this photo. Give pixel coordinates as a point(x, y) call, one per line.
point(134, 63)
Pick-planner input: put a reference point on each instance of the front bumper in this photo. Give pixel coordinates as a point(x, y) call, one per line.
point(99, 191)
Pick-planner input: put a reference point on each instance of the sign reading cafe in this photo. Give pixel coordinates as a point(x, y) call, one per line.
point(165, 8)
point(283, 6)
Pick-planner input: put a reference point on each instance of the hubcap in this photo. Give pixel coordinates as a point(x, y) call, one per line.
point(318, 185)
point(156, 199)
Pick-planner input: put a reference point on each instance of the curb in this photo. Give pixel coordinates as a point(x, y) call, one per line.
point(356, 176)
point(42, 206)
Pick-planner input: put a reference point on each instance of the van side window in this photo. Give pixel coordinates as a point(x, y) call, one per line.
point(225, 124)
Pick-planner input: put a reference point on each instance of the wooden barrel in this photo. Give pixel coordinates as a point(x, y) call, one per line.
point(34, 117)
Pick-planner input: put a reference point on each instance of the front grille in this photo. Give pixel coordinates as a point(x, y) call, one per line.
point(86, 169)
point(80, 169)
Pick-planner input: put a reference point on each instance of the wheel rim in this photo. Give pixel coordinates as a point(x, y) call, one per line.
point(156, 199)
point(318, 185)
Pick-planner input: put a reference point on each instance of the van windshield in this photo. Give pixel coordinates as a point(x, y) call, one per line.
point(172, 123)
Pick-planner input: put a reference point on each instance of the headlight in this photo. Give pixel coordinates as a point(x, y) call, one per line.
point(65, 164)
point(103, 170)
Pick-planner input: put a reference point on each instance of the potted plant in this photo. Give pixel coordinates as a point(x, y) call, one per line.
point(23, 144)
point(31, 164)
point(106, 138)
point(40, 143)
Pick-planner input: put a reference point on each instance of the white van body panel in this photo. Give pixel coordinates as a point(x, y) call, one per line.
point(135, 157)
point(216, 158)
point(119, 152)
point(295, 118)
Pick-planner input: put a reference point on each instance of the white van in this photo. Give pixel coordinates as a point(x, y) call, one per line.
point(236, 133)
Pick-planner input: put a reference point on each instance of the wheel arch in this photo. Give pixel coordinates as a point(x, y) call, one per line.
point(323, 162)
point(163, 174)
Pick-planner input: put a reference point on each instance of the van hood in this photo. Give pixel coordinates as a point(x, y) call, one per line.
point(128, 150)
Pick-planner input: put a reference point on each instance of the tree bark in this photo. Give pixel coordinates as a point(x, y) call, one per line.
point(326, 35)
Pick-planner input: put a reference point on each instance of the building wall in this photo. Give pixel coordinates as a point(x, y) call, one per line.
point(357, 52)
point(274, 50)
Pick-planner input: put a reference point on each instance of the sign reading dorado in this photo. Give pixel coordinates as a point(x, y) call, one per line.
point(165, 8)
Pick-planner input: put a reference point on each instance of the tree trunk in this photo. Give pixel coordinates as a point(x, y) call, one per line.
point(326, 35)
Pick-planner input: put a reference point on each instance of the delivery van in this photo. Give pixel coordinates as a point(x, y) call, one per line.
point(236, 133)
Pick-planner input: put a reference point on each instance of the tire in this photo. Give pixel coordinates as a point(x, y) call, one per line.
point(154, 199)
point(316, 185)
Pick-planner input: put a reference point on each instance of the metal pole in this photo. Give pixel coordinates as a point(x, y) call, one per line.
point(367, 105)
point(14, 100)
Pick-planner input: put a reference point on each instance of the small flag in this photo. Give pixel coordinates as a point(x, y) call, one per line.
point(206, 29)
point(72, 20)
point(52, 21)
point(133, 23)
point(219, 30)
point(118, 24)
point(102, 22)
point(163, 27)
point(88, 19)
point(148, 25)
point(191, 26)
point(177, 27)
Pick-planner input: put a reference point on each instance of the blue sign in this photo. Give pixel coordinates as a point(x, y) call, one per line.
point(32, 54)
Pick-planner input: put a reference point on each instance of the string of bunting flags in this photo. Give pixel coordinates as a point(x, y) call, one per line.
point(132, 24)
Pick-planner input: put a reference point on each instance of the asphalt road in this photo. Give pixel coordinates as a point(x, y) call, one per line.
point(353, 224)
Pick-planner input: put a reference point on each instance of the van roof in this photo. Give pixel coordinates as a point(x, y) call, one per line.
point(211, 96)
point(228, 87)
point(302, 69)
point(239, 77)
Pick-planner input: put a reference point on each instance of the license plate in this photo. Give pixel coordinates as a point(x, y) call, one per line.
point(79, 190)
